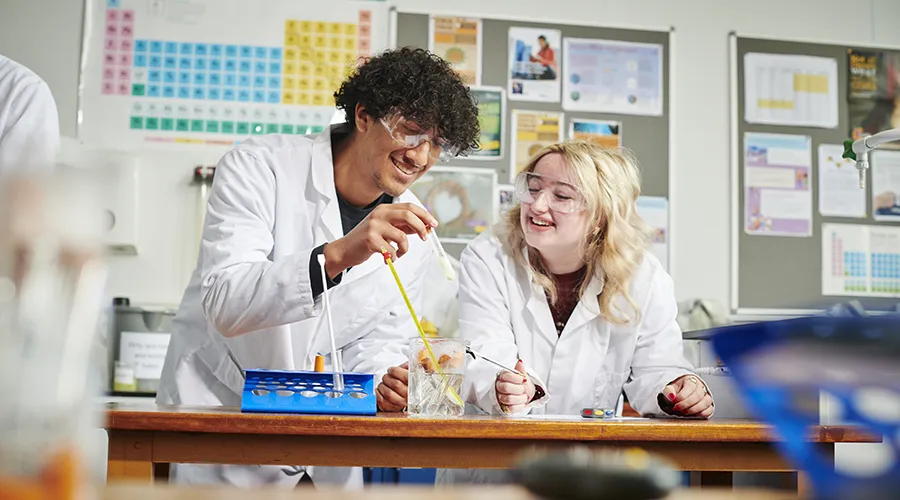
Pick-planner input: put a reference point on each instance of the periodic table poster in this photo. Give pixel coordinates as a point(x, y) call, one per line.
point(170, 74)
point(860, 260)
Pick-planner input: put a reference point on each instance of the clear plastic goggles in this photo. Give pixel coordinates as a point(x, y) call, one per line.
point(562, 197)
point(407, 134)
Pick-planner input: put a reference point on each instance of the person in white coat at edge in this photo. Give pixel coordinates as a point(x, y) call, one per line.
point(567, 292)
point(29, 122)
point(279, 201)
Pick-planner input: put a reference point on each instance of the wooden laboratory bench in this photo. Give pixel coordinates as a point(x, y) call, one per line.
point(146, 492)
point(143, 434)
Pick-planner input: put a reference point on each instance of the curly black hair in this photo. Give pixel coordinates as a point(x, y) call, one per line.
point(419, 85)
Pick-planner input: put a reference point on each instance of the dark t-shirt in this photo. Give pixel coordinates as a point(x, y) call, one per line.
point(350, 217)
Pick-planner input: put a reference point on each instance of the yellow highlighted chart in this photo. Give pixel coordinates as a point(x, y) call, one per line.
point(319, 55)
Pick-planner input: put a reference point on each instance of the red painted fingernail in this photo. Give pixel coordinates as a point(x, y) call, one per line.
point(671, 397)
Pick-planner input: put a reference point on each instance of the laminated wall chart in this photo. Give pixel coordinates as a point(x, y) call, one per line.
point(860, 260)
point(170, 73)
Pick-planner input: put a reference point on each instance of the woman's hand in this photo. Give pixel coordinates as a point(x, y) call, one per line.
point(513, 390)
point(393, 390)
point(687, 397)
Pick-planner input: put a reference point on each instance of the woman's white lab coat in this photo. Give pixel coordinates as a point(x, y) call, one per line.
point(272, 202)
point(506, 316)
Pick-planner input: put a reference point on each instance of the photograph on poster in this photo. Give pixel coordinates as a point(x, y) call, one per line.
point(462, 199)
point(505, 199)
point(534, 64)
point(607, 134)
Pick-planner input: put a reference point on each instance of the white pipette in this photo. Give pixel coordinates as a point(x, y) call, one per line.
point(441, 255)
point(335, 362)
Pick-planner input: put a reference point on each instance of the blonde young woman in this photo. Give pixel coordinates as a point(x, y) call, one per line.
point(565, 291)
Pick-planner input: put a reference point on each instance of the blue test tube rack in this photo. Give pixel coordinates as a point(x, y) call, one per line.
point(309, 393)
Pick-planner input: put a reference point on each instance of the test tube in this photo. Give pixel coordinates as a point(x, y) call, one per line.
point(441, 256)
point(338, 382)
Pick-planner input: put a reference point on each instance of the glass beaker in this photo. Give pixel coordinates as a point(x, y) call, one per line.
point(51, 295)
point(436, 377)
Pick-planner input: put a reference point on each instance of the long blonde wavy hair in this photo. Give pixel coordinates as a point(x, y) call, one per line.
point(616, 238)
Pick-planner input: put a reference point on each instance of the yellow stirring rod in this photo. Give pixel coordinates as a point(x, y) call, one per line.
point(412, 312)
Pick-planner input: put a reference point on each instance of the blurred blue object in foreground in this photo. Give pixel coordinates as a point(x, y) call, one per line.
point(781, 367)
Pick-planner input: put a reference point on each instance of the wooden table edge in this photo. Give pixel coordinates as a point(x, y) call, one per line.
point(513, 429)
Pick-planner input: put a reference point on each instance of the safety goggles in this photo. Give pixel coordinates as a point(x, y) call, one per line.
point(404, 132)
point(562, 197)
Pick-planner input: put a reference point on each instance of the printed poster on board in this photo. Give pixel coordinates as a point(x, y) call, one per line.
point(777, 184)
point(458, 41)
point(531, 131)
point(534, 72)
point(873, 95)
point(491, 113)
point(606, 76)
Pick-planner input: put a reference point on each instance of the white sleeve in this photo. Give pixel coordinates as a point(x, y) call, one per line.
point(484, 321)
point(242, 289)
point(31, 136)
point(659, 349)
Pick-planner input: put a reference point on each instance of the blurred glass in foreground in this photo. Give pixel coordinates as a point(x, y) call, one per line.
point(51, 294)
point(783, 367)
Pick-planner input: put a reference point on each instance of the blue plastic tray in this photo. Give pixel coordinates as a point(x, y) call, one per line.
point(782, 366)
point(274, 391)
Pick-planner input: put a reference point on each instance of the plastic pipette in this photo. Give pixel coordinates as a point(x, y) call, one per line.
point(412, 312)
point(441, 255)
point(335, 362)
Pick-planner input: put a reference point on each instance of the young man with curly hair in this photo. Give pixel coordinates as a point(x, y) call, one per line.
point(278, 203)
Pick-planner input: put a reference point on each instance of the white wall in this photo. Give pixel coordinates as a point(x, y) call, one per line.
point(46, 35)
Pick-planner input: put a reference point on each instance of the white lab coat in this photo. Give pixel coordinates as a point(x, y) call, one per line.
point(272, 202)
point(29, 122)
point(506, 316)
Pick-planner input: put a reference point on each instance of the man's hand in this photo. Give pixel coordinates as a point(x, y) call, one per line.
point(388, 223)
point(393, 390)
point(687, 396)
